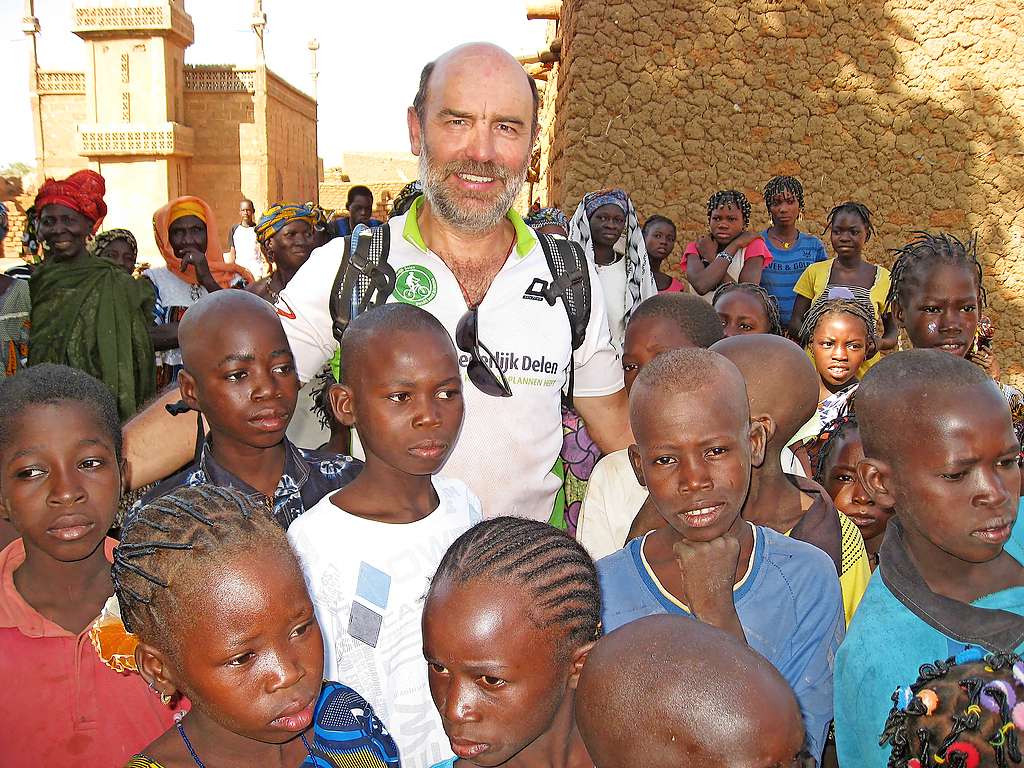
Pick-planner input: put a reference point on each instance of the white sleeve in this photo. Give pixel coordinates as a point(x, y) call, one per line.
point(594, 529)
point(304, 307)
point(597, 370)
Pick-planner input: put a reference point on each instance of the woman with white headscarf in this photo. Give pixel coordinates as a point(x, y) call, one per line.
point(599, 224)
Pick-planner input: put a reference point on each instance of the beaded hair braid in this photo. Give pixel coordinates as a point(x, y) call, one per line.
point(548, 563)
point(921, 254)
point(771, 305)
point(730, 197)
point(779, 184)
point(177, 532)
point(832, 307)
point(857, 209)
point(956, 711)
point(830, 434)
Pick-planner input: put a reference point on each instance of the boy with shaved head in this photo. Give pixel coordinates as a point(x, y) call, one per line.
point(939, 450)
point(240, 375)
point(776, 594)
point(716, 703)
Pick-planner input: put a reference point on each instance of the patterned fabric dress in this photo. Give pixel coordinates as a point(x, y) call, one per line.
point(346, 734)
point(15, 306)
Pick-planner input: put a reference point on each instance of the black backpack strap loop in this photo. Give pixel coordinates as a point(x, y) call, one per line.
point(364, 279)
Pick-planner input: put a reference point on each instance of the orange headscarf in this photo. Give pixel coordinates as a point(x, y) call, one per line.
point(188, 205)
point(82, 192)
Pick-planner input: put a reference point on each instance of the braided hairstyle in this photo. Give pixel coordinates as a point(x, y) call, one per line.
point(857, 209)
point(548, 564)
point(771, 304)
point(170, 542)
point(730, 197)
point(777, 185)
point(958, 713)
point(822, 309)
point(823, 446)
point(321, 406)
point(657, 218)
point(921, 255)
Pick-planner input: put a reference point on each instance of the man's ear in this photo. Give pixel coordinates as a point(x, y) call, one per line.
point(415, 131)
point(342, 404)
point(634, 460)
point(759, 440)
point(877, 478)
point(579, 659)
point(187, 387)
point(156, 669)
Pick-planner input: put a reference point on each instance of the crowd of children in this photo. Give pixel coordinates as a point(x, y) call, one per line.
point(771, 575)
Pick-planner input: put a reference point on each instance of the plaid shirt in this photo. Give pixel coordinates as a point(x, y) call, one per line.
point(308, 476)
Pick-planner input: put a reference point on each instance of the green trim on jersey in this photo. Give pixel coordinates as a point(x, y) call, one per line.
point(526, 238)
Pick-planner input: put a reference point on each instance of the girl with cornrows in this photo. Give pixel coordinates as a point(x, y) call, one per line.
point(729, 253)
point(792, 250)
point(511, 615)
point(848, 275)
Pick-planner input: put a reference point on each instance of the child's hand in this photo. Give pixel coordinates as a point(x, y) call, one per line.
point(707, 248)
point(745, 238)
point(709, 573)
point(983, 358)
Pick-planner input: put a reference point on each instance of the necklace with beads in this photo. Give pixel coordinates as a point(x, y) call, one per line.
point(200, 764)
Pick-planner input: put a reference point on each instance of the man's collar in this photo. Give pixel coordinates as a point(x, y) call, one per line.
point(526, 238)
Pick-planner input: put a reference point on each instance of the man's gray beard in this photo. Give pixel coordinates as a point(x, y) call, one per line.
point(447, 207)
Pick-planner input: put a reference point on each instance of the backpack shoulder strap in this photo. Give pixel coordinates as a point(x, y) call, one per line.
point(570, 281)
point(364, 278)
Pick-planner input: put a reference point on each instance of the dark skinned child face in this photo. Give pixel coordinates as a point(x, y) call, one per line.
point(726, 223)
point(660, 240)
point(645, 339)
point(954, 482)
point(63, 231)
point(607, 224)
point(846, 489)
point(405, 401)
point(695, 461)
point(290, 248)
point(848, 234)
point(784, 208)
point(121, 254)
point(360, 211)
point(61, 494)
point(941, 312)
point(496, 678)
point(187, 235)
point(741, 313)
point(253, 660)
point(839, 347)
point(242, 377)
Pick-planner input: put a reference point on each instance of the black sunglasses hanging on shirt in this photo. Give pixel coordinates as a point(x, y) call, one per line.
point(490, 381)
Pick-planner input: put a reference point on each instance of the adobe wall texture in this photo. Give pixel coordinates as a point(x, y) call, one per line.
point(914, 107)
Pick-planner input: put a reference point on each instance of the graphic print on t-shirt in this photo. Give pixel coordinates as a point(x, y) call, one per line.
point(415, 284)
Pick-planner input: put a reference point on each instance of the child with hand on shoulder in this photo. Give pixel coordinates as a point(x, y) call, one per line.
point(511, 615)
point(614, 497)
point(792, 251)
point(60, 481)
point(746, 308)
point(937, 296)
point(729, 253)
point(940, 451)
point(849, 225)
point(239, 374)
point(214, 595)
point(661, 666)
point(369, 550)
point(838, 453)
point(779, 595)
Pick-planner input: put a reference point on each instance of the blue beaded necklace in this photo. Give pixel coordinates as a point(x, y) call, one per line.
point(200, 764)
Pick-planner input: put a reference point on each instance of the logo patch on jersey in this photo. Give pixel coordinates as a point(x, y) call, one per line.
point(536, 290)
point(415, 284)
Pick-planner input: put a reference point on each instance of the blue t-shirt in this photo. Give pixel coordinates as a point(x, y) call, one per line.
point(344, 229)
point(449, 763)
point(779, 278)
point(884, 649)
point(789, 604)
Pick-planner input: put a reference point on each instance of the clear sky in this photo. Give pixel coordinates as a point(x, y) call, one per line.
point(362, 44)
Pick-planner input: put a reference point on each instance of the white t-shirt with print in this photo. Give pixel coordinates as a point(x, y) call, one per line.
point(508, 446)
point(368, 581)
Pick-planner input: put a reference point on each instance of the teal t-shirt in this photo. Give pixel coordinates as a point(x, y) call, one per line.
point(885, 646)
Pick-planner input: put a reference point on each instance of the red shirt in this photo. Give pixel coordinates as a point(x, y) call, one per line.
point(61, 704)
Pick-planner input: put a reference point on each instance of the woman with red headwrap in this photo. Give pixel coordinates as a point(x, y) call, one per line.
point(86, 312)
